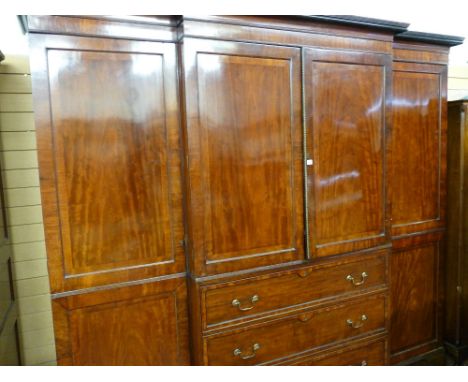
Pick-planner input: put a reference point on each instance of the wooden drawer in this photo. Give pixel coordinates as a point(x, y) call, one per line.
point(240, 299)
point(368, 354)
point(296, 333)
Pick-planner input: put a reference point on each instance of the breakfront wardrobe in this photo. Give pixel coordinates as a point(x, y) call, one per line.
point(241, 190)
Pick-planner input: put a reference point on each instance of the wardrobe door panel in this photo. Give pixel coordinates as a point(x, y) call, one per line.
point(414, 295)
point(109, 151)
point(346, 96)
point(144, 325)
point(418, 147)
point(244, 141)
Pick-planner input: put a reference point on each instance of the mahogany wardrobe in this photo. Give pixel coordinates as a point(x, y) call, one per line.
point(249, 190)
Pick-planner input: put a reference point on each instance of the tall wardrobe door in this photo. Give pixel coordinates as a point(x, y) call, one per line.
point(109, 157)
point(418, 147)
point(417, 191)
point(245, 155)
point(346, 96)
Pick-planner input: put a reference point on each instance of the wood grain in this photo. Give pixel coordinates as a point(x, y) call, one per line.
point(418, 164)
point(109, 154)
point(370, 354)
point(346, 120)
point(286, 289)
point(414, 296)
point(244, 153)
point(300, 332)
point(144, 324)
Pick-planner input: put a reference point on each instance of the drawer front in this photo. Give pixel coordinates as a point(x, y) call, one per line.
point(302, 331)
point(372, 354)
point(248, 297)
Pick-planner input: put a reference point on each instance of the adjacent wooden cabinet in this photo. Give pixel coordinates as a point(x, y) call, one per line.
point(456, 313)
point(241, 190)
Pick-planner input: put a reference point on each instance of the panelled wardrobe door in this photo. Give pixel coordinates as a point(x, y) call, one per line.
point(418, 146)
point(417, 191)
point(245, 155)
point(346, 114)
point(109, 155)
point(138, 325)
point(109, 149)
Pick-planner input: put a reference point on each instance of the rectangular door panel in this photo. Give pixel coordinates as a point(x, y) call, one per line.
point(144, 325)
point(414, 280)
point(244, 142)
point(418, 147)
point(346, 114)
point(109, 151)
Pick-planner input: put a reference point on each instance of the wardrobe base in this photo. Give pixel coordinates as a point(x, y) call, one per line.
point(459, 353)
point(436, 357)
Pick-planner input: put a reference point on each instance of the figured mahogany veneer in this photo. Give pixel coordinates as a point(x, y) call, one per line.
point(284, 168)
point(109, 157)
point(144, 324)
point(372, 353)
point(415, 293)
point(418, 164)
point(299, 332)
point(346, 97)
point(417, 191)
point(284, 289)
point(244, 153)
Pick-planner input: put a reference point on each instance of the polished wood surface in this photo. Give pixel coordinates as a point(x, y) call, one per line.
point(456, 299)
point(418, 165)
point(146, 28)
point(418, 194)
point(255, 158)
point(285, 289)
point(370, 354)
point(414, 291)
point(420, 53)
point(346, 130)
point(302, 331)
point(244, 148)
point(144, 324)
point(273, 31)
point(109, 153)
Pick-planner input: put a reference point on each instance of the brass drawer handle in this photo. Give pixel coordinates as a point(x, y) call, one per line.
point(364, 276)
point(236, 303)
point(357, 324)
point(255, 347)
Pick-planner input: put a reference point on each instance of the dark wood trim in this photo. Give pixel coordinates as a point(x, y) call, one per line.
point(432, 38)
point(366, 22)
